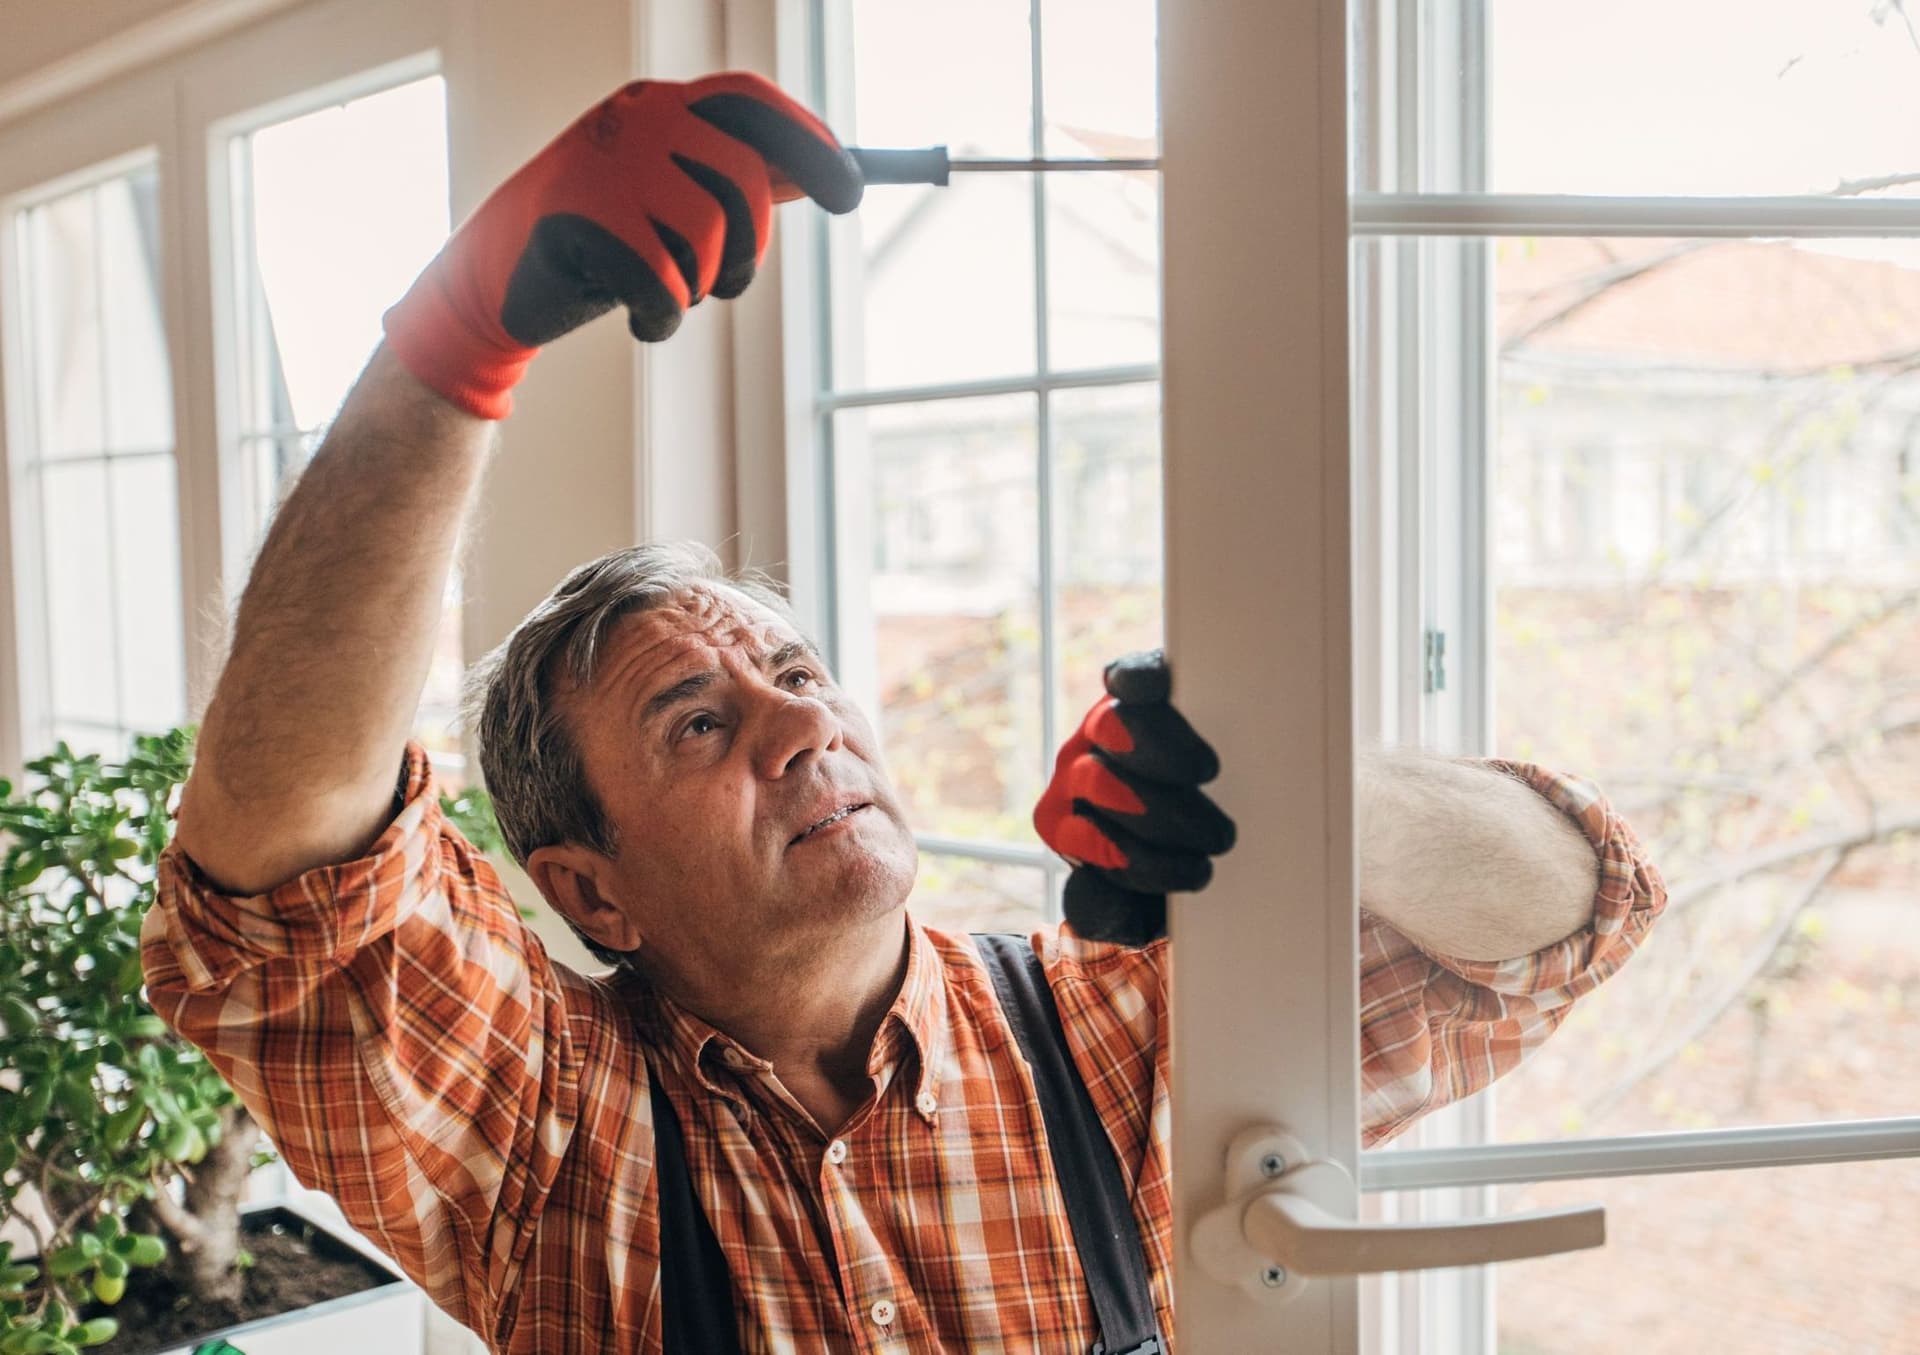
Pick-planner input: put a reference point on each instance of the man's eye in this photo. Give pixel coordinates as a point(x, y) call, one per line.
point(700, 724)
point(800, 673)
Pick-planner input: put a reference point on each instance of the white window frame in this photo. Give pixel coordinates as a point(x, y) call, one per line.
point(1420, 554)
point(83, 146)
point(1427, 155)
point(821, 508)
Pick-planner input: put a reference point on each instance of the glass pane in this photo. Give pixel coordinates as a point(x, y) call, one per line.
point(1107, 533)
point(63, 325)
point(343, 207)
point(1103, 269)
point(146, 551)
point(84, 739)
point(1101, 81)
point(1775, 1262)
point(1709, 97)
point(435, 723)
point(924, 75)
point(934, 284)
point(139, 389)
point(79, 582)
point(346, 206)
point(957, 894)
point(1707, 599)
point(954, 595)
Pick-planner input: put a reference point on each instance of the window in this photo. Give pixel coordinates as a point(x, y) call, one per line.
point(97, 554)
point(989, 410)
point(1643, 464)
point(334, 213)
point(1688, 424)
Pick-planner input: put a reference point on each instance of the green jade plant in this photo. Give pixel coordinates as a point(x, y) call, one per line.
point(120, 1146)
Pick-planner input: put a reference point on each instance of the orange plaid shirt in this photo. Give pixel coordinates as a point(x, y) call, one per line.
point(481, 1111)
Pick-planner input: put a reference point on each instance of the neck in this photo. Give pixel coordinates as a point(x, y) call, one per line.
point(811, 1008)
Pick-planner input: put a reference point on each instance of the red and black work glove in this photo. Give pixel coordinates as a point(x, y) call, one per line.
point(659, 196)
point(1125, 806)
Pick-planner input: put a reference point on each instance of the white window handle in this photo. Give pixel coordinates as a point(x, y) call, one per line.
point(1285, 1220)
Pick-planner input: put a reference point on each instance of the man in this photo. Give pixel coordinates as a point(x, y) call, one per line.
point(685, 783)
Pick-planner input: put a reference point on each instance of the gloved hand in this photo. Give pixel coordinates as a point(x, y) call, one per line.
point(1125, 808)
point(659, 196)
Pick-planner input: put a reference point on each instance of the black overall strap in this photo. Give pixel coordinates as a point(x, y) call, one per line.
point(1098, 1208)
point(697, 1290)
point(695, 1287)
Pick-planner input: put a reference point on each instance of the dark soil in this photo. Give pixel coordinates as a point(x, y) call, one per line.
point(295, 1265)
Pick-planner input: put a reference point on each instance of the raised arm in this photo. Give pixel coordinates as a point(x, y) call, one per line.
point(357, 971)
point(657, 197)
point(301, 744)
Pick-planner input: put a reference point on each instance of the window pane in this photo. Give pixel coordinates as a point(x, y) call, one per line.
point(85, 739)
point(924, 75)
point(1708, 97)
point(346, 206)
point(960, 895)
point(79, 582)
point(1107, 532)
point(954, 593)
point(62, 272)
point(139, 390)
point(1103, 269)
point(1101, 83)
point(1707, 599)
point(1771, 1262)
point(146, 553)
point(339, 210)
point(934, 285)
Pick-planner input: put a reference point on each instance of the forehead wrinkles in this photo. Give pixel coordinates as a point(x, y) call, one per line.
point(696, 621)
point(722, 620)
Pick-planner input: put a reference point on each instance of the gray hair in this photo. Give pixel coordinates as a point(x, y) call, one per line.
point(528, 756)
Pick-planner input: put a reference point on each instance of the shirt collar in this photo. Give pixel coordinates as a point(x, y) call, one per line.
point(916, 1024)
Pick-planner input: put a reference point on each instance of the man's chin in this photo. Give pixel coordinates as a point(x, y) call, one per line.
point(858, 885)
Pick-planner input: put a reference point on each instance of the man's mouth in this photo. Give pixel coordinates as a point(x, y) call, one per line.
point(840, 815)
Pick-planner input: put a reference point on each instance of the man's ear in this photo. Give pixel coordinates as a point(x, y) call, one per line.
point(574, 880)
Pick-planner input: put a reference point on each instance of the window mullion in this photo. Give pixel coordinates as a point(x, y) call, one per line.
point(1700, 1150)
point(1005, 854)
point(1620, 217)
point(994, 385)
point(1043, 431)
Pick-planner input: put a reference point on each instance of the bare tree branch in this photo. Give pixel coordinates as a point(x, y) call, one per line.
point(1729, 991)
point(1785, 853)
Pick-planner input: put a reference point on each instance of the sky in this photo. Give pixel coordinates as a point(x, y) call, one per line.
point(1704, 97)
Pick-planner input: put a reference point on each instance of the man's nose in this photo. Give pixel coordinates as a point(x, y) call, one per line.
point(793, 728)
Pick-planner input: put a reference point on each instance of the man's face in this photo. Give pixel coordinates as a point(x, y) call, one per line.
point(752, 813)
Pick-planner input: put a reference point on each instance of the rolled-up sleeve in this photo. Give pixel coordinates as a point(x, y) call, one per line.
point(396, 1030)
point(1434, 1029)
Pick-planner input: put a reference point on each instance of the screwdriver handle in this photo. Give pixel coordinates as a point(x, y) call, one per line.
point(927, 165)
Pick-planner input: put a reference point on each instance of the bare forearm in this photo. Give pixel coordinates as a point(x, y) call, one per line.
point(1466, 860)
point(301, 743)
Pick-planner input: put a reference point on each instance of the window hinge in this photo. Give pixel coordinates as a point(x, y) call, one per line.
point(1436, 661)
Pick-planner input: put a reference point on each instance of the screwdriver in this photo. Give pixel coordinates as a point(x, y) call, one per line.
point(931, 165)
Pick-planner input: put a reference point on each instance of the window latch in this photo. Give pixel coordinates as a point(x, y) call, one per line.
point(1436, 661)
point(1288, 1216)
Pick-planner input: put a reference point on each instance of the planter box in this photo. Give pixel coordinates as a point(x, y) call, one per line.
point(389, 1319)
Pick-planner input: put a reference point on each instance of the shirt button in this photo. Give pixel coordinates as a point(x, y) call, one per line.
point(927, 1103)
point(881, 1313)
point(836, 1154)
